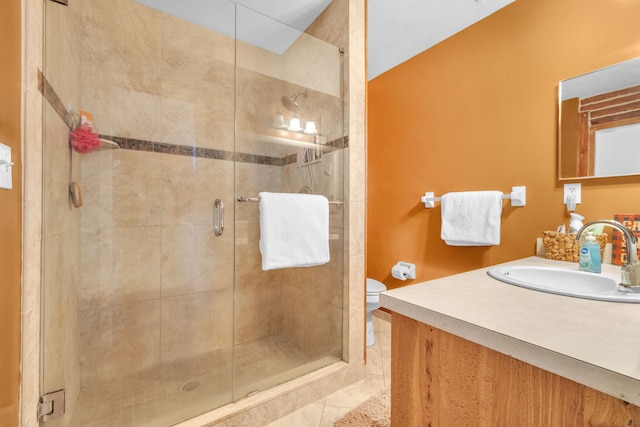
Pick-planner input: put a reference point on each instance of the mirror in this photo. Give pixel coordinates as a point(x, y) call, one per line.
point(599, 123)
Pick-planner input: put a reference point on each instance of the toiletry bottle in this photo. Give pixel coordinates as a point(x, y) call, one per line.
point(590, 254)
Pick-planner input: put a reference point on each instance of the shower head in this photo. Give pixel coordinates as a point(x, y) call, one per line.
point(290, 102)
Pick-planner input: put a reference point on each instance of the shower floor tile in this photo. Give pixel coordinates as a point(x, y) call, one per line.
point(175, 391)
point(156, 397)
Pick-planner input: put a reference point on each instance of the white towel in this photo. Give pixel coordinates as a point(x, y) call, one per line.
point(294, 230)
point(471, 218)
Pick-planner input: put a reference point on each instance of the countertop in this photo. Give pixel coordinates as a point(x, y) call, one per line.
point(595, 343)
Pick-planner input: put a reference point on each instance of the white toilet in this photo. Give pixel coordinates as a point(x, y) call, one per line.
point(374, 288)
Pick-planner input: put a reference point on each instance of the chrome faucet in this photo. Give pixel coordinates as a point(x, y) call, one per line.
point(631, 269)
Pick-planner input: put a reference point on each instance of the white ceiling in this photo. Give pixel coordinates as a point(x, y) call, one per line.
point(401, 29)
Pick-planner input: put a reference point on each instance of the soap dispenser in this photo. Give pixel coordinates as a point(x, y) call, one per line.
point(575, 223)
point(590, 254)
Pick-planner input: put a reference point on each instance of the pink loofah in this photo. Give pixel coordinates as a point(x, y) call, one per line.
point(84, 139)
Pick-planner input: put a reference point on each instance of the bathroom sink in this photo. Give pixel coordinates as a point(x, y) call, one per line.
point(565, 281)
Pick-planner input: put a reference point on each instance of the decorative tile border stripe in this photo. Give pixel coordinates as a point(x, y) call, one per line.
point(205, 153)
point(53, 99)
point(210, 153)
point(339, 143)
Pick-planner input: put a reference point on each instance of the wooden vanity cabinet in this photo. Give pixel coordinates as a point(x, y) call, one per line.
point(439, 379)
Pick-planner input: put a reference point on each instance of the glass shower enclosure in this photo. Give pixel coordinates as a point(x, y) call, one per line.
point(155, 310)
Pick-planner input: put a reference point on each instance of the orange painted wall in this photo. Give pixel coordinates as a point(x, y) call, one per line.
point(479, 112)
point(10, 212)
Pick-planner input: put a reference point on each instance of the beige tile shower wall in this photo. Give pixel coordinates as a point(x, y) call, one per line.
point(305, 54)
point(155, 77)
point(314, 296)
point(61, 221)
point(259, 101)
point(328, 175)
point(197, 85)
point(62, 57)
point(154, 264)
point(259, 303)
point(121, 227)
point(313, 300)
point(121, 67)
point(121, 240)
point(281, 300)
point(196, 266)
point(267, 302)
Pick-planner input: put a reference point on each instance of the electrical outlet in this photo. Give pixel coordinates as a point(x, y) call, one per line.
point(5, 167)
point(574, 191)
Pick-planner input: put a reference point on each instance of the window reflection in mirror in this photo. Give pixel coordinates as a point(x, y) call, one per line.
point(599, 123)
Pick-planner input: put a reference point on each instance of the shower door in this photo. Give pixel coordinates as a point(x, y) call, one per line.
point(138, 290)
point(288, 322)
point(153, 313)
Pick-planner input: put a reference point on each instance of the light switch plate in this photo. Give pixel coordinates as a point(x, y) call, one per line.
point(5, 167)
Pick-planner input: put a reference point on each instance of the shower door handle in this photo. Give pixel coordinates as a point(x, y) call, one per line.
point(218, 217)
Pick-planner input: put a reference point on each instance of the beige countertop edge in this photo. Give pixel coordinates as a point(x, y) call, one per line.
point(598, 377)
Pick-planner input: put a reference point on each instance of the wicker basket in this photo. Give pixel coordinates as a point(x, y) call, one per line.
point(565, 247)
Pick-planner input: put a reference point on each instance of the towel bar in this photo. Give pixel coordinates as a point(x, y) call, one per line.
point(518, 197)
point(241, 199)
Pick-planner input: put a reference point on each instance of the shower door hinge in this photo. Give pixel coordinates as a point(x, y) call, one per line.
point(51, 406)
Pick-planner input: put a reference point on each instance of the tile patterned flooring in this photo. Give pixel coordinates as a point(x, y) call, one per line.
point(324, 412)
